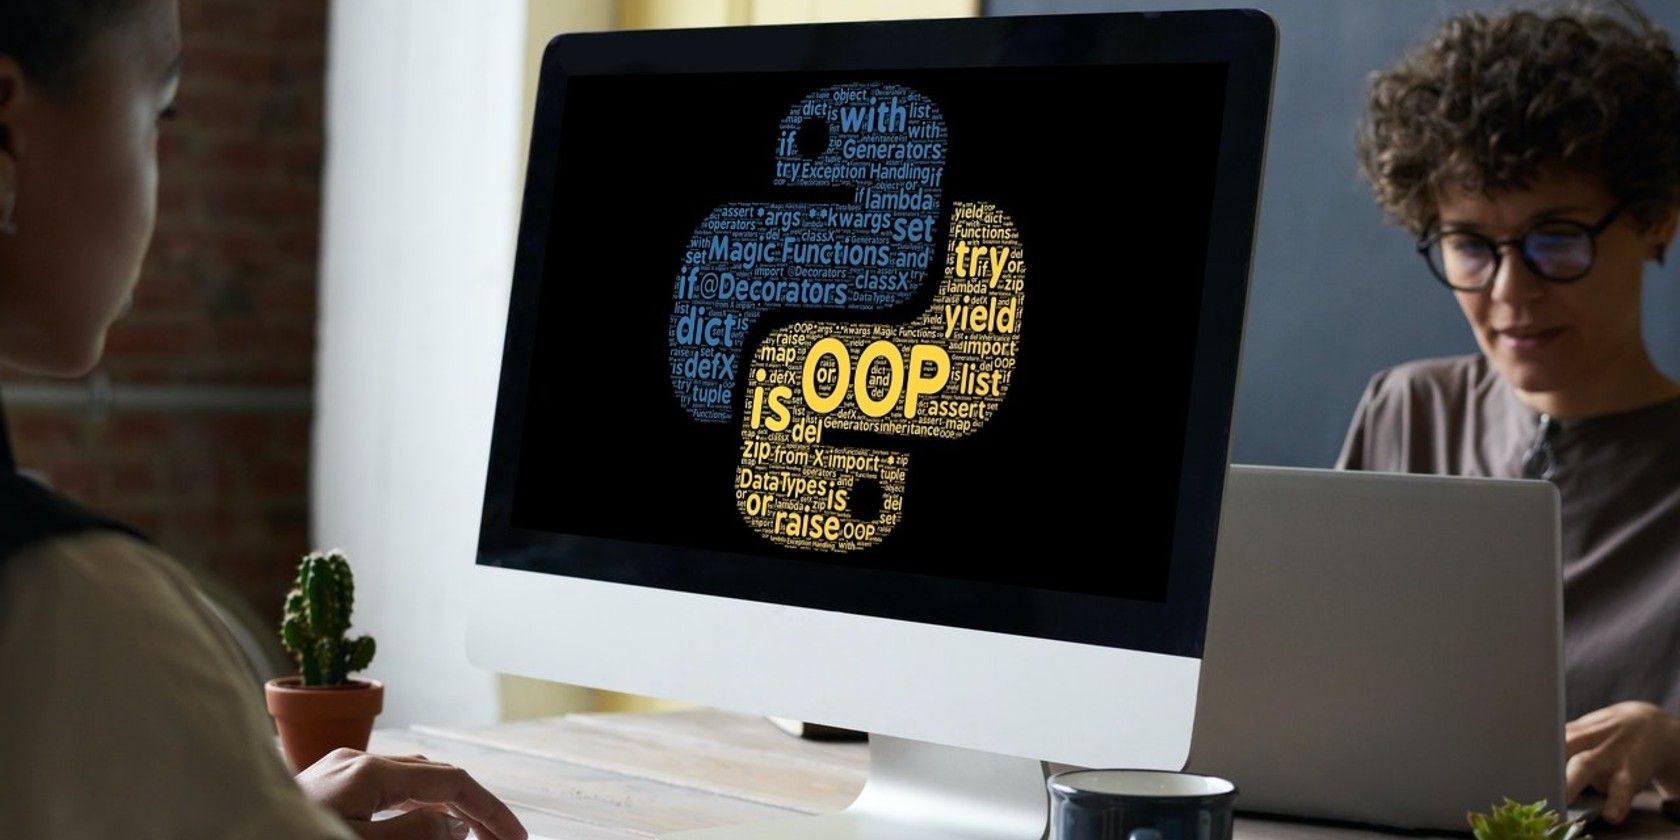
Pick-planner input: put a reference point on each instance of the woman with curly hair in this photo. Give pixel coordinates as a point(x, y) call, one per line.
point(1536, 156)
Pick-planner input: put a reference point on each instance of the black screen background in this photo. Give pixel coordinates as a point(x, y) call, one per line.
point(1107, 172)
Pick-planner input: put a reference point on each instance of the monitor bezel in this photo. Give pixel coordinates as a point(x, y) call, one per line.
point(1242, 40)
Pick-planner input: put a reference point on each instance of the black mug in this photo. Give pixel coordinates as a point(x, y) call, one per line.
point(1139, 805)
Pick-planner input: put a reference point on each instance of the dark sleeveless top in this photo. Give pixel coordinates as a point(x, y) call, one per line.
point(30, 513)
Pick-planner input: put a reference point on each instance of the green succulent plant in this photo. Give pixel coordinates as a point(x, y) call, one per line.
point(1515, 821)
point(317, 616)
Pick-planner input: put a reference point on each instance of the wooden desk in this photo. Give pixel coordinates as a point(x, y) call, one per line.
point(617, 776)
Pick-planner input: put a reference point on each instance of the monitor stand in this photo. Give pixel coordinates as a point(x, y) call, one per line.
point(921, 791)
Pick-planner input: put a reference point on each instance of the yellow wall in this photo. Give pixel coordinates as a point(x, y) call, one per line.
point(523, 697)
point(682, 14)
point(545, 19)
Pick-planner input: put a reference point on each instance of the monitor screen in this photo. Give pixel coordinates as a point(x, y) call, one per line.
point(908, 340)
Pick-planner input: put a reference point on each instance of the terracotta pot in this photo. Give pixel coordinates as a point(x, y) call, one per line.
point(316, 720)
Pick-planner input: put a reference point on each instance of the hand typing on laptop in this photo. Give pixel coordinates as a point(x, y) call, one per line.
point(1619, 750)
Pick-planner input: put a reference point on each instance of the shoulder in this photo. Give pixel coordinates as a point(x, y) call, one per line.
point(133, 688)
point(1428, 384)
point(1455, 376)
point(101, 574)
point(104, 603)
point(1416, 416)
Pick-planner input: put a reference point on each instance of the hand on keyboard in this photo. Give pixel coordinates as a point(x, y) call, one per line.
point(1619, 751)
point(356, 785)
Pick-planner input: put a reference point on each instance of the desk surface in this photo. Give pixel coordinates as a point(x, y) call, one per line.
point(617, 776)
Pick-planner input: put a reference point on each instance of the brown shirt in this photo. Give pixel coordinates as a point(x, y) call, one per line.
point(1618, 476)
point(125, 708)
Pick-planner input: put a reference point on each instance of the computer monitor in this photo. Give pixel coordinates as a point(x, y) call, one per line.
point(881, 375)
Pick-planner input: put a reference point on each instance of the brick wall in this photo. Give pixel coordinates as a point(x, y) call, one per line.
point(226, 305)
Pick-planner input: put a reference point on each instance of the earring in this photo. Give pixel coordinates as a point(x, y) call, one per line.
point(1661, 252)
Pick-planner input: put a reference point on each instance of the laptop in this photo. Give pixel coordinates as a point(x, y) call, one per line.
point(1384, 649)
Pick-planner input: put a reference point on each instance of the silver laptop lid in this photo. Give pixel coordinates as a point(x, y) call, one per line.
point(1384, 648)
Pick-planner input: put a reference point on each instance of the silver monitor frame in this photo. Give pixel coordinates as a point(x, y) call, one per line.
point(962, 719)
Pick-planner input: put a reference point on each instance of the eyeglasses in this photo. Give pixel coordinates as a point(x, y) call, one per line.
point(1559, 250)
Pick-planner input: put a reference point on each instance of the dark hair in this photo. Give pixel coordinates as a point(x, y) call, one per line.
point(48, 37)
point(1491, 100)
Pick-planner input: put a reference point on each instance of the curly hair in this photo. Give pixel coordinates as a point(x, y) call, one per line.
point(1491, 101)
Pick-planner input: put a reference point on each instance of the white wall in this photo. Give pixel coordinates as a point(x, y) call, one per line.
point(424, 131)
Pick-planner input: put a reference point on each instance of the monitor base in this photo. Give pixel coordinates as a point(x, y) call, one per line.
point(921, 791)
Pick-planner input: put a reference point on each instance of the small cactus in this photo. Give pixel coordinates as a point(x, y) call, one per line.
point(317, 616)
